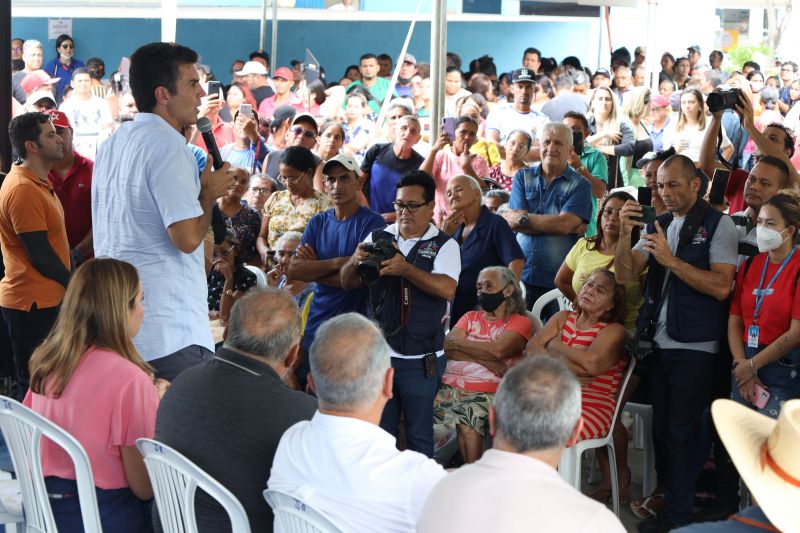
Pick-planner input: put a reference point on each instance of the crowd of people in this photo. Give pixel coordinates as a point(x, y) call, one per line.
point(362, 280)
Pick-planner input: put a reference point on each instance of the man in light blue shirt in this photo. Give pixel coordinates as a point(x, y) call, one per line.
point(550, 204)
point(149, 209)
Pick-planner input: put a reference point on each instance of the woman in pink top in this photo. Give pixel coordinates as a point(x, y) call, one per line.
point(480, 348)
point(88, 378)
point(591, 341)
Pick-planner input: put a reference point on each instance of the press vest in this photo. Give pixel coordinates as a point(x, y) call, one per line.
point(691, 315)
point(410, 319)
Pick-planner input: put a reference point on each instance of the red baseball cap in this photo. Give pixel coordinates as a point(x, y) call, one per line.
point(59, 118)
point(660, 101)
point(34, 80)
point(283, 72)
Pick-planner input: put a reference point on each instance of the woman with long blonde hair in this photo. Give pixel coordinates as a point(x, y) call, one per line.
point(635, 107)
point(611, 135)
point(88, 378)
point(686, 136)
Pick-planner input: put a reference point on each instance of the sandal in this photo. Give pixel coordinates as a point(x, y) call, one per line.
point(603, 495)
point(650, 507)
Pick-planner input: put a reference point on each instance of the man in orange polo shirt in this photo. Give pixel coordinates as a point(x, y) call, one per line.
point(71, 177)
point(33, 239)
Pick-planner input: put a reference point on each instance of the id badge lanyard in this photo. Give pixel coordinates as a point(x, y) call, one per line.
point(752, 333)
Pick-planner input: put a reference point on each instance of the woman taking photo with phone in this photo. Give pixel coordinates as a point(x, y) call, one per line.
point(764, 323)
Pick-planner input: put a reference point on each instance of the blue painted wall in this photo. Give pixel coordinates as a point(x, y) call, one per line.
point(336, 44)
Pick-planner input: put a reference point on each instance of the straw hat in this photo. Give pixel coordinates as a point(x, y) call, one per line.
point(766, 453)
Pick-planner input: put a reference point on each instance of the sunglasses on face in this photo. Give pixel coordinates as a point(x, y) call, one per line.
point(308, 134)
point(70, 46)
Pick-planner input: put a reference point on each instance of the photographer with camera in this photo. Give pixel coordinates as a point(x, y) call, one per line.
point(734, 101)
point(690, 256)
point(411, 269)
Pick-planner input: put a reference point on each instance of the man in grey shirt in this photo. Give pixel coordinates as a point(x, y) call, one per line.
point(566, 100)
point(690, 253)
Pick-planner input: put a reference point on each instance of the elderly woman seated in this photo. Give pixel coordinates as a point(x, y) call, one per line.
point(591, 341)
point(480, 348)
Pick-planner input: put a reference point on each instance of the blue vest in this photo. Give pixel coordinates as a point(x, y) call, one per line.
point(691, 315)
point(410, 319)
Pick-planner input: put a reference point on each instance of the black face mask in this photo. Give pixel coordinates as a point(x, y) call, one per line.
point(491, 301)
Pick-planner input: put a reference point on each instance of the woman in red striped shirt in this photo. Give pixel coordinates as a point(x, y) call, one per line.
point(591, 341)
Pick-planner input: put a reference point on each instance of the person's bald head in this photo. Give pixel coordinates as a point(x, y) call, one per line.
point(349, 359)
point(264, 323)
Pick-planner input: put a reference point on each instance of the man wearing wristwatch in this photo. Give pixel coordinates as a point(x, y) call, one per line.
point(550, 202)
point(590, 163)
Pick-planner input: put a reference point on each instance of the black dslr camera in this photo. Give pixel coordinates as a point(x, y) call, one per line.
point(369, 270)
point(723, 98)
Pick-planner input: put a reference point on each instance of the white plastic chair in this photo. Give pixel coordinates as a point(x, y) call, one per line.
point(175, 481)
point(643, 439)
point(261, 276)
point(554, 295)
point(570, 466)
point(295, 516)
point(23, 430)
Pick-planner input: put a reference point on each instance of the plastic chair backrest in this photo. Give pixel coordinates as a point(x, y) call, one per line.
point(175, 480)
point(261, 276)
point(295, 516)
point(23, 430)
point(546, 298)
point(621, 393)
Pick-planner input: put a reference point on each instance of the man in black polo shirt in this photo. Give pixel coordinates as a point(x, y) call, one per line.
point(228, 415)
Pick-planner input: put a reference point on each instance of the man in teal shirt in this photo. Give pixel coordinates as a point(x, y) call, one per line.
point(368, 67)
point(591, 165)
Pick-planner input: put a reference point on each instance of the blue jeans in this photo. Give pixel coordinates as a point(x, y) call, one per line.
point(413, 395)
point(120, 510)
point(781, 378)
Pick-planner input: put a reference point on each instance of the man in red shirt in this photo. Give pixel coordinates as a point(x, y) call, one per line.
point(283, 94)
point(72, 181)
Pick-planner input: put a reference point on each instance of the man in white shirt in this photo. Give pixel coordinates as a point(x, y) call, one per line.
point(519, 115)
point(150, 209)
point(341, 463)
point(536, 414)
point(89, 115)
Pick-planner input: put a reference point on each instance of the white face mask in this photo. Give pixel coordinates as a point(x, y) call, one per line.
point(756, 86)
point(768, 239)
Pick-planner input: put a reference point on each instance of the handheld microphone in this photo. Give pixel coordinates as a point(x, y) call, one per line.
point(204, 125)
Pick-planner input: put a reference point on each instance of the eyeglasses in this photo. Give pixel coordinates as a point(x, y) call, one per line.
point(16, 49)
point(787, 69)
point(290, 179)
point(308, 134)
point(412, 207)
point(260, 190)
point(70, 46)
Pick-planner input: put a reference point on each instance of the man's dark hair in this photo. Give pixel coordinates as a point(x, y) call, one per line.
point(96, 67)
point(531, 50)
point(384, 57)
point(684, 164)
point(24, 128)
point(788, 136)
point(64, 37)
point(486, 65)
point(578, 116)
point(716, 53)
point(422, 179)
point(778, 164)
point(261, 55)
point(791, 64)
point(367, 56)
point(452, 68)
point(157, 65)
point(752, 64)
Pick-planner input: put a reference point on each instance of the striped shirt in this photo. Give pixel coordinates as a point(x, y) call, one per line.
point(598, 398)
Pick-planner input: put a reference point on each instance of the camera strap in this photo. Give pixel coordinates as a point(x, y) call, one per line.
point(719, 151)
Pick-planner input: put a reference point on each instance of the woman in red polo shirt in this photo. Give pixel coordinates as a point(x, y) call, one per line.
point(764, 323)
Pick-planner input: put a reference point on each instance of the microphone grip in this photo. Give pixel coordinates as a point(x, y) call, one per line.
point(213, 150)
